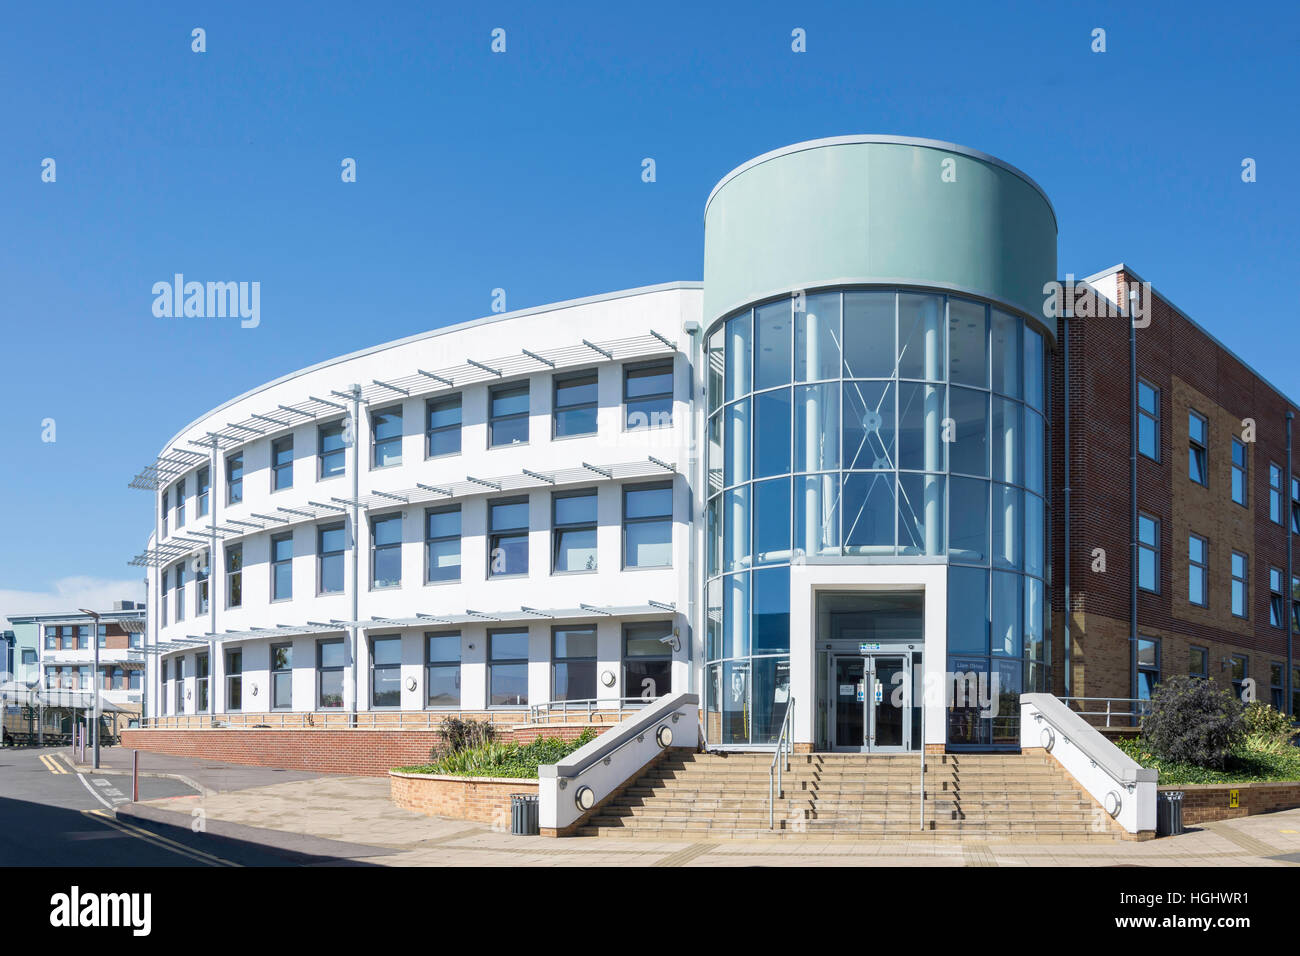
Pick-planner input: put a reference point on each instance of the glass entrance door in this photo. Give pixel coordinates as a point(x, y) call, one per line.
point(849, 692)
point(873, 703)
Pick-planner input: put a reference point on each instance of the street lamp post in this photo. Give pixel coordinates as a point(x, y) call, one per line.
point(94, 680)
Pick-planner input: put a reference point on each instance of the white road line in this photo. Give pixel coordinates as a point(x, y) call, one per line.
point(93, 792)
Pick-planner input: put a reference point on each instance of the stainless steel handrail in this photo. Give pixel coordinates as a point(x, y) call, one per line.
point(1139, 707)
point(590, 706)
point(774, 779)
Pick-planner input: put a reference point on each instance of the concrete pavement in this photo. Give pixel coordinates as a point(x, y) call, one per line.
point(355, 812)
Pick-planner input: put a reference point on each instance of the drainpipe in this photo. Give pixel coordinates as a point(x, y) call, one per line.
point(693, 482)
point(356, 539)
point(1288, 604)
point(1065, 408)
point(1133, 496)
point(212, 586)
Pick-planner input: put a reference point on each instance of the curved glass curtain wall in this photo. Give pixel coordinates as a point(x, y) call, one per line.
point(874, 426)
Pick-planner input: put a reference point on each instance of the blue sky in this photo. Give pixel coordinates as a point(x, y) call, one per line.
point(522, 171)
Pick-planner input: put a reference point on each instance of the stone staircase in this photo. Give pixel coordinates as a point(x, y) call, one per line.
point(999, 797)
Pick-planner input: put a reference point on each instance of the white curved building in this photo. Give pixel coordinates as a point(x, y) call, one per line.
point(507, 528)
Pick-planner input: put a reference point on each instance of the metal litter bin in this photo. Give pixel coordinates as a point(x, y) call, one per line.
point(523, 814)
point(1169, 813)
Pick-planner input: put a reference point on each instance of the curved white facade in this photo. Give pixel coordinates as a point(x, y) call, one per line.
point(585, 589)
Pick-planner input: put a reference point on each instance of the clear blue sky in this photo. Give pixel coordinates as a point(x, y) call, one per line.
point(522, 171)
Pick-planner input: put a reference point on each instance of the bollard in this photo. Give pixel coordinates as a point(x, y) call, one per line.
point(135, 776)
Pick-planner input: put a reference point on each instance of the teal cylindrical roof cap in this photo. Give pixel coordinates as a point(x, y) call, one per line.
point(878, 210)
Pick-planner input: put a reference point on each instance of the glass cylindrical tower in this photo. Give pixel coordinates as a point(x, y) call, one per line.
point(876, 400)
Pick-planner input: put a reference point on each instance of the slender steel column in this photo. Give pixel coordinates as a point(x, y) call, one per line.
point(212, 582)
point(1065, 440)
point(1133, 496)
point(356, 540)
point(1289, 604)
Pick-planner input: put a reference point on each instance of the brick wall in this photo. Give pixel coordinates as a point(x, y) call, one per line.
point(482, 799)
point(362, 752)
point(1207, 802)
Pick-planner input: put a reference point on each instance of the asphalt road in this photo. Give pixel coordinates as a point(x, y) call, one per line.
point(51, 815)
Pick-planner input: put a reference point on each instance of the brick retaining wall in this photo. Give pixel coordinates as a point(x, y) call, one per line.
point(481, 799)
point(1207, 802)
point(365, 752)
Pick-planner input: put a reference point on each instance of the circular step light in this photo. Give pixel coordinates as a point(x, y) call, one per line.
point(585, 798)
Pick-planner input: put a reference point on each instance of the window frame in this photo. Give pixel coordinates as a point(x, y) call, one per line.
point(494, 534)
point(1203, 447)
point(235, 577)
point(281, 469)
point(322, 670)
point(629, 372)
point(376, 549)
point(558, 528)
point(1238, 685)
point(1153, 549)
point(341, 451)
point(273, 671)
point(235, 479)
point(1243, 580)
point(580, 378)
point(624, 657)
point(493, 663)
point(493, 419)
point(202, 491)
point(1204, 652)
point(557, 660)
point(1276, 598)
point(669, 485)
point(376, 443)
point(431, 664)
point(1242, 469)
point(374, 640)
point(1275, 493)
point(1203, 565)
point(276, 563)
point(1152, 416)
point(430, 430)
point(458, 537)
point(234, 678)
point(322, 554)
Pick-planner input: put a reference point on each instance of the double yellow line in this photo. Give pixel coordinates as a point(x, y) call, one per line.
point(52, 765)
point(153, 839)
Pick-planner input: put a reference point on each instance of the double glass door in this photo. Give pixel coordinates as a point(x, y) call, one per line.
point(873, 702)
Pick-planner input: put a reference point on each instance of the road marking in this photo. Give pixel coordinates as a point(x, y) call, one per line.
point(100, 782)
point(158, 841)
point(93, 792)
point(50, 764)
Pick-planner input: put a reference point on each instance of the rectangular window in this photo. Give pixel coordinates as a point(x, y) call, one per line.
point(201, 675)
point(1295, 604)
point(331, 543)
point(281, 676)
point(1274, 493)
point(165, 509)
point(235, 479)
point(1276, 598)
point(234, 575)
point(234, 680)
point(508, 415)
point(1198, 665)
point(1239, 596)
point(281, 567)
point(442, 426)
point(178, 687)
point(1239, 472)
point(135, 639)
point(83, 637)
point(1277, 690)
point(102, 635)
point(573, 669)
point(1149, 420)
point(508, 537)
point(179, 491)
point(333, 451)
point(282, 463)
point(164, 686)
point(1198, 442)
point(386, 551)
point(573, 531)
point(647, 660)
point(576, 405)
point(179, 589)
point(442, 544)
point(204, 486)
point(648, 525)
point(1148, 553)
point(331, 657)
point(1295, 505)
point(162, 588)
point(1197, 570)
point(1148, 666)
point(648, 395)
point(442, 675)
point(508, 668)
point(386, 437)
point(385, 672)
point(1239, 665)
point(201, 590)
point(133, 679)
point(52, 633)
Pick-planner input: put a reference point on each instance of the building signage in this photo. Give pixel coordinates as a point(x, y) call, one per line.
point(864, 647)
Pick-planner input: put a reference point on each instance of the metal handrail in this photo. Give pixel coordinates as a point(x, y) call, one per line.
point(783, 746)
point(1139, 707)
point(590, 706)
point(922, 758)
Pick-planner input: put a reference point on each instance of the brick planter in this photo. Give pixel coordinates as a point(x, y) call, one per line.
point(481, 799)
point(355, 751)
point(1207, 802)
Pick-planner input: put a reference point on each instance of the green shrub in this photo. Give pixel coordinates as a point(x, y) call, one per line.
point(461, 734)
point(1267, 730)
point(1192, 721)
point(496, 759)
